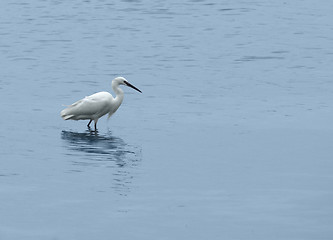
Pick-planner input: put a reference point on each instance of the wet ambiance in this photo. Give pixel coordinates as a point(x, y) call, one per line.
point(231, 137)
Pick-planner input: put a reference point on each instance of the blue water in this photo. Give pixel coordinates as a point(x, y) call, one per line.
point(230, 139)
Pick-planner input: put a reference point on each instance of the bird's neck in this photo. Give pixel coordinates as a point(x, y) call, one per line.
point(119, 96)
point(117, 90)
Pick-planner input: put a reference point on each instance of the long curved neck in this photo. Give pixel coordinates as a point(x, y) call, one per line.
point(119, 95)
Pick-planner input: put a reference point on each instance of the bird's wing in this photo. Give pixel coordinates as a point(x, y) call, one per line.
point(88, 107)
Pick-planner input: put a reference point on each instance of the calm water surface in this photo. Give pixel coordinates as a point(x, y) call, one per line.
point(231, 138)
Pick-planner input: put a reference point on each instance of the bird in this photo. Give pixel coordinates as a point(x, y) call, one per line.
point(97, 105)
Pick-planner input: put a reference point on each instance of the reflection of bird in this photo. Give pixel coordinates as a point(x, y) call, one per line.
point(94, 143)
point(97, 105)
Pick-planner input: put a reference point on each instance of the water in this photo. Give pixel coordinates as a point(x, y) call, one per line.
point(231, 138)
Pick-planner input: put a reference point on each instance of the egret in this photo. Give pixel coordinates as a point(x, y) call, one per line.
point(97, 105)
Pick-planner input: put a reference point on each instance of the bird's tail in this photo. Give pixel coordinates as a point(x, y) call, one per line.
point(65, 114)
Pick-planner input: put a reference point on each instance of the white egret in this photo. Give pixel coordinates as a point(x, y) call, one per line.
point(97, 105)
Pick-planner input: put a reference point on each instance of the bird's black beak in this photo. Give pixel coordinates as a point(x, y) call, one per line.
point(130, 85)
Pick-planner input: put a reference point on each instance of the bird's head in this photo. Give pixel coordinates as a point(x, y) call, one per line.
point(122, 81)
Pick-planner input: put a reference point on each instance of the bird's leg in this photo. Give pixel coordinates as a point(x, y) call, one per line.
point(95, 125)
point(89, 123)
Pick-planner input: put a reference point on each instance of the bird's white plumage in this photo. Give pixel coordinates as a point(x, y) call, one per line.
point(90, 107)
point(97, 105)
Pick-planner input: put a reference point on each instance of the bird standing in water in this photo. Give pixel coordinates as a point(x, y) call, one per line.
point(97, 105)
